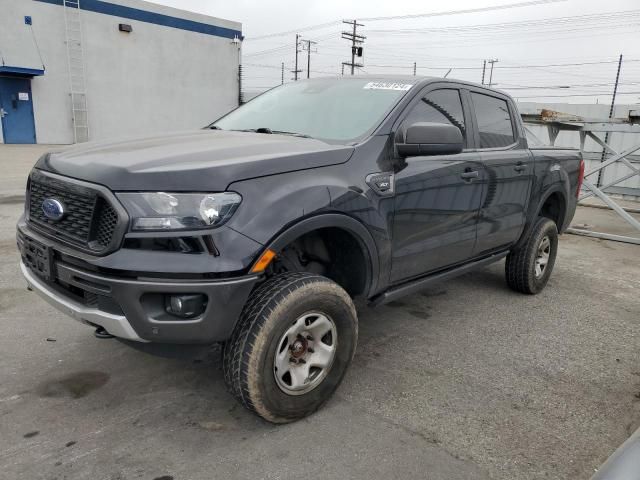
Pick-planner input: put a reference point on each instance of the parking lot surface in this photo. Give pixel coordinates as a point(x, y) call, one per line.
point(466, 380)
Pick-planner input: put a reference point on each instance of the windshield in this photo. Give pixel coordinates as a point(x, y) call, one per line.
point(338, 110)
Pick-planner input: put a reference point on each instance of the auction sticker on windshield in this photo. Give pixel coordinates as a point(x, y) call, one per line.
point(387, 86)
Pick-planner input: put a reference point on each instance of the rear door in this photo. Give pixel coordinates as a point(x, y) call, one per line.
point(509, 171)
point(437, 197)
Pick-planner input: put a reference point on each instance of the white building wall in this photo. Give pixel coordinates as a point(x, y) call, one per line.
point(155, 79)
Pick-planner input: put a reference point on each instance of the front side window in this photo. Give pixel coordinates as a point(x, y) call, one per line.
point(335, 110)
point(494, 122)
point(438, 106)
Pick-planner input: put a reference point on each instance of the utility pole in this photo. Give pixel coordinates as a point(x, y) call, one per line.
point(495, 60)
point(282, 74)
point(615, 88)
point(296, 71)
point(356, 44)
point(308, 49)
point(611, 109)
point(484, 68)
point(414, 69)
point(237, 42)
point(240, 92)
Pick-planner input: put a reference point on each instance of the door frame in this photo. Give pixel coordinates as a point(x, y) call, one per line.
point(396, 160)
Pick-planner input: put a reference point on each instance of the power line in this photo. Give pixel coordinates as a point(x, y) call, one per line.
point(289, 32)
point(283, 47)
point(520, 38)
point(402, 17)
point(506, 86)
point(600, 18)
point(539, 75)
point(594, 94)
point(460, 12)
point(564, 64)
point(504, 66)
point(261, 65)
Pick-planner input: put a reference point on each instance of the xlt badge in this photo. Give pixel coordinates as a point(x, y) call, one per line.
point(381, 183)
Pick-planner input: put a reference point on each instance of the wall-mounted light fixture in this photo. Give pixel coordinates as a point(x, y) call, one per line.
point(125, 27)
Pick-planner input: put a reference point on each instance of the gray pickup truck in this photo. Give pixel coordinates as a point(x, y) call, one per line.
point(259, 230)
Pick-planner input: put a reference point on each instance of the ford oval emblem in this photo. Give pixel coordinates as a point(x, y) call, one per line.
point(53, 209)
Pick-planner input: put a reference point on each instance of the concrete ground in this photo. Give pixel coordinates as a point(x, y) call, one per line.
point(467, 380)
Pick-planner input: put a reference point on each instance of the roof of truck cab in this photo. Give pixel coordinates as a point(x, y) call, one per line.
point(416, 80)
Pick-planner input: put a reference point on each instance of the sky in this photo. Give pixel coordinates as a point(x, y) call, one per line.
point(546, 50)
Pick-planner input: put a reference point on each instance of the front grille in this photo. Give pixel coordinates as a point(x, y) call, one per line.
point(107, 223)
point(89, 220)
point(76, 224)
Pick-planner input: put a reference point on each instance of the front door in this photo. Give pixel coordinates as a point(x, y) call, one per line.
point(16, 110)
point(436, 197)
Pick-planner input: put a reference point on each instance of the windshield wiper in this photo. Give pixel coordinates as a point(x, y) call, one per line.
point(256, 130)
point(294, 134)
point(276, 132)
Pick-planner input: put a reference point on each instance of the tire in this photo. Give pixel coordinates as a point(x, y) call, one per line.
point(261, 361)
point(523, 268)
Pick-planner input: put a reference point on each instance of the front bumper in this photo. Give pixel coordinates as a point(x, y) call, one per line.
point(132, 308)
point(116, 325)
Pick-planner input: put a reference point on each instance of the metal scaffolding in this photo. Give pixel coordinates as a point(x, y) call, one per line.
point(556, 122)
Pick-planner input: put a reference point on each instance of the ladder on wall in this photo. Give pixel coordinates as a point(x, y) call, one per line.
point(75, 59)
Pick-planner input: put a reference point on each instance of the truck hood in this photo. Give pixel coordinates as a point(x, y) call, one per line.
point(201, 160)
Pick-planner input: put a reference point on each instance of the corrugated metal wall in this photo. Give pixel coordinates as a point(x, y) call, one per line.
point(618, 141)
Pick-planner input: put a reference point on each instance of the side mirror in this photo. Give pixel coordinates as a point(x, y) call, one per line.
point(427, 138)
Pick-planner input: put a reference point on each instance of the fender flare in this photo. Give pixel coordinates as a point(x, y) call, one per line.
point(334, 220)
point(556, 188)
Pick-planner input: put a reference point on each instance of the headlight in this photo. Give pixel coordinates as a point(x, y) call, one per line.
point(178, 211)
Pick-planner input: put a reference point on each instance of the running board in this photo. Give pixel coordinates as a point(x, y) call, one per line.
point(423, 282)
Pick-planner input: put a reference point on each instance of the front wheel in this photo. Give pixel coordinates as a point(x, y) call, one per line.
point(529, 267)
point(291, 347)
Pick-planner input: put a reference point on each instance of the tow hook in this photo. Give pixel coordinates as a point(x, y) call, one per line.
point(102, 333)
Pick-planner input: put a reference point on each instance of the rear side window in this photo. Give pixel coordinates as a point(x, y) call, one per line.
point(439, 106)
point(494, 122)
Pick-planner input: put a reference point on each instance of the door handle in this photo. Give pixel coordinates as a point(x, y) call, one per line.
point(520, 167)
point(469, 175)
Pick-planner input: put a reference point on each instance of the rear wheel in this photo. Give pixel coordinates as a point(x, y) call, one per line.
point(529, 267)
point(291, 347)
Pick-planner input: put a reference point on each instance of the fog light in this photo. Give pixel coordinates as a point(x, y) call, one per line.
point(185, 306)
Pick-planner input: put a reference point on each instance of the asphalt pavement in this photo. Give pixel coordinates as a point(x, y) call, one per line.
point(466, 380)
